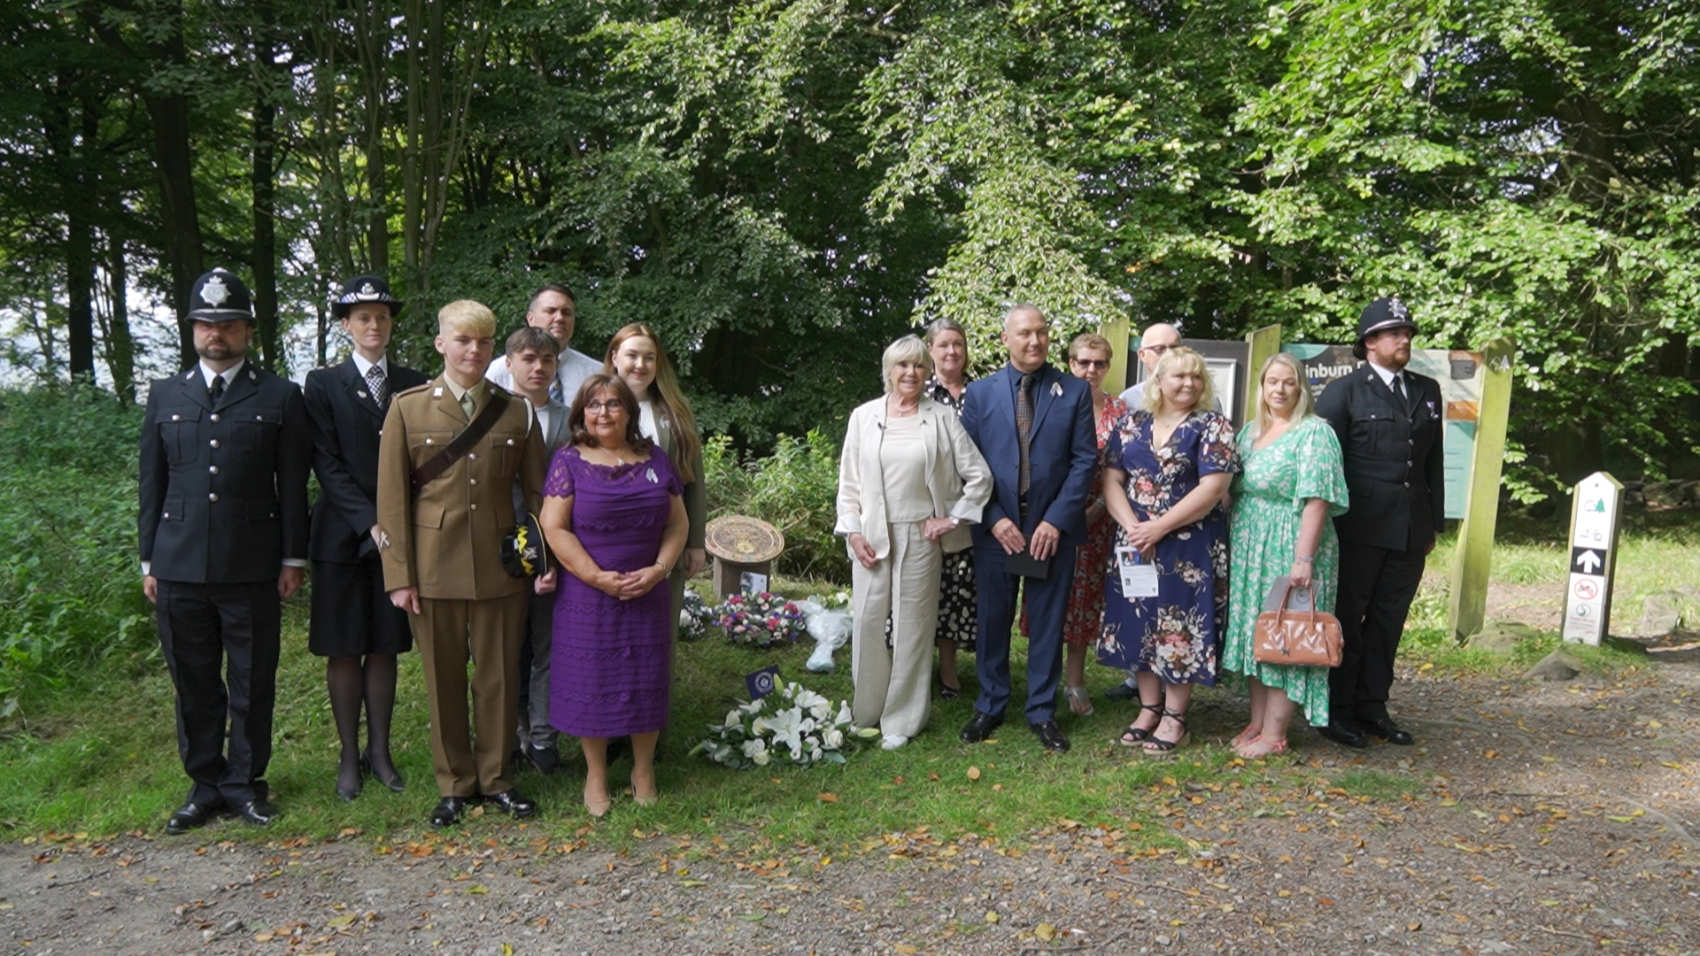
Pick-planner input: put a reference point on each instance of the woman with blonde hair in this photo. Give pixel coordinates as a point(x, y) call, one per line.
point(910, 481)
point(1166, 468)
point(1292, 484)
point(664, 417)
point(947, 347)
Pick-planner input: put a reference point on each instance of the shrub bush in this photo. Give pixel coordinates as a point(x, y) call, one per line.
point(795, 489)
point(70, 585)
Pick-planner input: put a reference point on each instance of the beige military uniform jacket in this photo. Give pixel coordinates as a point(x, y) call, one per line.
point(445, 539)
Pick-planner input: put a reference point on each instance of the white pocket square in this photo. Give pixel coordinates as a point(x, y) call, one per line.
point(1056, 389)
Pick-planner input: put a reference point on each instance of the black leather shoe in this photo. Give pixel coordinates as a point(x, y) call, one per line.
point(448, 811)
point(1121, 692)
point(257, 812)
point(979, 727)
point(1387, 730)
point(189, 816)
point(545, 759)
point(512, 802)
point(1050, 735)
point(1344, 734)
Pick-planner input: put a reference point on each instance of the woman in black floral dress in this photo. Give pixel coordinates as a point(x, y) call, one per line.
point(948, 346)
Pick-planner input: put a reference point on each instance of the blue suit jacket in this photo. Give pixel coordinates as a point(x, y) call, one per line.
point(1062, 450)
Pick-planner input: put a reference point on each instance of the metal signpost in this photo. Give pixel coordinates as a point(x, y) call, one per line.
point(1595, 513)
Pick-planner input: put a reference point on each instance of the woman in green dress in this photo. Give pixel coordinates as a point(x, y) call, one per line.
point(1291, 485)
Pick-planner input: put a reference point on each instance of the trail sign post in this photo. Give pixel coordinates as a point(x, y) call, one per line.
point(1595, 514)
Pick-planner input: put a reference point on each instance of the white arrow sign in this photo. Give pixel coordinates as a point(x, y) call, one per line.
point(1589, 562)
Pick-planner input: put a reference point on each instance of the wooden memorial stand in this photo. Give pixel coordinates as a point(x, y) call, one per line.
point(740, 545)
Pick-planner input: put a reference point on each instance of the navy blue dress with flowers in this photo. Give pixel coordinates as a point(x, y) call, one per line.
point(1176, 635)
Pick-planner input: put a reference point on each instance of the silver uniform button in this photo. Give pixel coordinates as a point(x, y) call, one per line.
point(212, 496)
point(510, 441)
point(472, 455)
point(213, 443)
point(473, 480)
point(212, 469)
point(177, 418)
point(427, 441)
point(475, 506)
point(213, 416)
point(258, 418)
point(165, 514)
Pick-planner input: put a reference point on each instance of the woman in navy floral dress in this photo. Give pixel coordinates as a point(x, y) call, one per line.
point(1166, 469)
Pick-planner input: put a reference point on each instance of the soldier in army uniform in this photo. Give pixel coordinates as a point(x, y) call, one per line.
point(225, 450)
point(441, 519)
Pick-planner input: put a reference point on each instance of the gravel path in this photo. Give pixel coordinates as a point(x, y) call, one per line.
point(1531, 817)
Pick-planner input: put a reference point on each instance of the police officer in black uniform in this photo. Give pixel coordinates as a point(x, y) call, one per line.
point(354, 626)
point(223, 520)
point(1389, 421)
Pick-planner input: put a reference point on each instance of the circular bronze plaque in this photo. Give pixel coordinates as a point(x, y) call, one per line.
point(743, 539)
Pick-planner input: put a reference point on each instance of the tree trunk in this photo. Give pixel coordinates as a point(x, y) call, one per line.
point(79, 233)
point(264, 187)
point(120, 348)
point(172, 157)
point(411, 173)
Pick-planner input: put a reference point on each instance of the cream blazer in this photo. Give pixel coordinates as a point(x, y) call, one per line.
point(957, 477)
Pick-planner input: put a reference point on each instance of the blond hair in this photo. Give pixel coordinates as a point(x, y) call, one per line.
point(466, 315)
point(906, 349)
point(1178, 359)
point(1302, 409)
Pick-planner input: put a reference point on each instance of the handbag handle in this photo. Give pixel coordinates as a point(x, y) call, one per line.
point(1280, 612)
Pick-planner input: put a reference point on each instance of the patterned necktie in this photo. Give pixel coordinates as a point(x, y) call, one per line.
point(468, 404)
point(376, 382)
point(1024, 426)
point(555, 393)
point(215, 391)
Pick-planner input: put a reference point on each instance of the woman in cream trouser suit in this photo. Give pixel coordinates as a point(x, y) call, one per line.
point(909, 483)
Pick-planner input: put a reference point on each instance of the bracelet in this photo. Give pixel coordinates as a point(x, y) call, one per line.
point(1298, 560)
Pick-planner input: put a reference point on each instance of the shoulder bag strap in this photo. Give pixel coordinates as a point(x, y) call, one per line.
point(463, 442)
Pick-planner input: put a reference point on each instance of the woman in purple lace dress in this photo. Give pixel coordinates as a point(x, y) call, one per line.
point(614, 517)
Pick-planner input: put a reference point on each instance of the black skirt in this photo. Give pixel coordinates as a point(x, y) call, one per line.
point(352, 613)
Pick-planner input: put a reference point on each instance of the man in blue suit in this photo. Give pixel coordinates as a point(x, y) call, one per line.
point(1033, 424)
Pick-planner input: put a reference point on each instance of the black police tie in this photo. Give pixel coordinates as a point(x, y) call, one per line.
point(215, 391)
point(1024, 427)
point(1399, 392)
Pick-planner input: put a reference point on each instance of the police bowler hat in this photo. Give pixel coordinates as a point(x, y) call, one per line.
point(361, 290)
point(218, 296)
point(1379, 316)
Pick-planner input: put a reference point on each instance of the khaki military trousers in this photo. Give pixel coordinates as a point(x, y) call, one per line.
point(490, 632)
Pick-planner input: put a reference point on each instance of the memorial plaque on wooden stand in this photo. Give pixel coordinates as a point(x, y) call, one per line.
point(741, 545)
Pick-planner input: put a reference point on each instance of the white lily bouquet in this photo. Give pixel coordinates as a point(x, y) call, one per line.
point(791, 726)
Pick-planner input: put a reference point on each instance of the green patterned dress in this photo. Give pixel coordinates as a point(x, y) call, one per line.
point(1269, 497)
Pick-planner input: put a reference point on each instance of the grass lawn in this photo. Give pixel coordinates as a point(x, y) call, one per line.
point(99, 759)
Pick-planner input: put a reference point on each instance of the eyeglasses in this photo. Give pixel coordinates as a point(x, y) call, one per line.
point(1091, 363)
point(1157, 349)
point(610, 406)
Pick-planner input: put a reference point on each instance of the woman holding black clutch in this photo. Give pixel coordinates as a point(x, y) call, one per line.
point(1292, 484)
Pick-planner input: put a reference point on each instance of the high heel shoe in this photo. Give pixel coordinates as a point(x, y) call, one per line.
point(597, 806)
point(395, 781)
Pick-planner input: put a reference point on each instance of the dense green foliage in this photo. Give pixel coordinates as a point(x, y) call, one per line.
point(795, 489)
point(70, 585)
point(780, 186)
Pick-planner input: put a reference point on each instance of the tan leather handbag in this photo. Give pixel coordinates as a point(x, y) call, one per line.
point(1294, 637)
